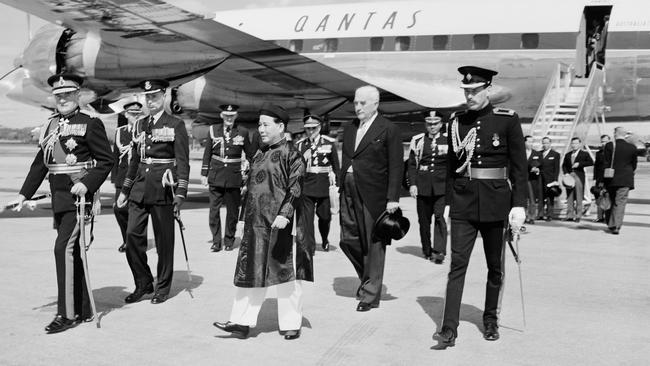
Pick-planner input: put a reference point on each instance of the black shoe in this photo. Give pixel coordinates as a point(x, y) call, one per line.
point(138, 293)
point(548, 219)
point(159, 298)
point(122, 248)
point(237, 330)
point(427, 256)
point(59, 324)
point(438, 258)
point(614, 231)
point(568, 219)
point(215, 247)
point(229, 247)
point(599, 220)
point(292, 334)
point(447, 336)
point(491, 332)
point(577, 219)
point(364, 306)
point(326, 246)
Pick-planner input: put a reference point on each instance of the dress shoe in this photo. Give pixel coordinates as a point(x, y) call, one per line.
point(122, 248)
point(326, 246)
point(159, 298)
point(215, 247)
point(138, 293)
point(577, 219)
point(59, 324)
point(599, 220)
point(568, 219)
point(447, 336)
point(364, 306)
point(438, 258)
point(229, 247)
point(614, 231)
point(548, 219)
point(491, 332)
point(292, 334)
point(87, 319)
point(237, 330)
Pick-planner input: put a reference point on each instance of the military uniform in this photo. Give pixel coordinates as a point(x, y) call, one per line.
point(487, 177)
point(321, 160)
point(427, 167)
point(160, 143)
point(73, 148)
point(225, 156)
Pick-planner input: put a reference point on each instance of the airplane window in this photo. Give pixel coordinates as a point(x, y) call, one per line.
point(402, 43)
point(481, 41)
point(331, 44)
point(295, 45)
point(376, 43)
point(440, 42)
point(530, 40)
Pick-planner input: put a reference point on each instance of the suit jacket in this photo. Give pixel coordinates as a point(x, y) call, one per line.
point(377, 163)
point(237, 146)
point(534, 161)
point(427, 164)
point(625, 160)
point(549, 167)
point(599, 166)
point(583, 159)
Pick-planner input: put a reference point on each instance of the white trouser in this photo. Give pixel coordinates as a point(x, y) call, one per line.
point(248, 302)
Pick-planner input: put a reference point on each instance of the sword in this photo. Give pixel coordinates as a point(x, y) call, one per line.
point(29, 203)
point(81, 221)
point(168, 180)
point(512, 235)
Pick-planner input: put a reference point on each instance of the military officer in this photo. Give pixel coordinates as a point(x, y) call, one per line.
point(486, 186)
point(76, 155)
point(160, 143)
point(225, 160)
point(122, 151)
point(322, 168)
point(427, 167)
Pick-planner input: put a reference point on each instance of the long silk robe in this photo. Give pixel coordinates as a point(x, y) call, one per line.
point(274, 189)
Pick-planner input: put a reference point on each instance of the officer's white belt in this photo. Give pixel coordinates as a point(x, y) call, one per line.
point(69, 169)
point(319, 169)
point(486, 173)
point(426, 167)
point(226, 160)
point(158, 161)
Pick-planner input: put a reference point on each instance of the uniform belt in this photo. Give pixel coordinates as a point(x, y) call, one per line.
point(426, 167)
point(69, 169)
point(226, 160)
point(319, 169)
point(158, 161)
point(486, 173)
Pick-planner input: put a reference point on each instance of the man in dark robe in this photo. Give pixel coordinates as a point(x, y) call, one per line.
point(266, 256)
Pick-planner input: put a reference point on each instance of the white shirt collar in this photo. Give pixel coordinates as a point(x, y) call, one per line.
point(156, 116)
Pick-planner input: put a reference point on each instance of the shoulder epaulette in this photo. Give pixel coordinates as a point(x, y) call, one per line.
point(457, 114)
point(418, 136)
point(503, 112)
point(87, 113)
point(328, 138)
point(301, 140)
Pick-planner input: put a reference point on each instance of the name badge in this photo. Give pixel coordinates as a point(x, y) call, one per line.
point(73, 130)
point(164, 134)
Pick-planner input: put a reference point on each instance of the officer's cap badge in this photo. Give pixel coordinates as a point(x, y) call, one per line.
point(147, 85)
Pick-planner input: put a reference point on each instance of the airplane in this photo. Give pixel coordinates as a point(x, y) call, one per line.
point(311, 58)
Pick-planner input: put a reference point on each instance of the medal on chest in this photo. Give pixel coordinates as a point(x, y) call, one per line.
point(71, 144)
point(495, 140)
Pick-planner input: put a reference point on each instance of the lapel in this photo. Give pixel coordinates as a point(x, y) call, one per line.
point(376, 128)
point(350, 137)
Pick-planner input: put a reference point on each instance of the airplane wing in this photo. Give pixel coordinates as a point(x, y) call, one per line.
point(252, 65)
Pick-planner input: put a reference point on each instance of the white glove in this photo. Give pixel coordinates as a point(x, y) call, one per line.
point(516, 217)
point(204, 181)
point(413, 191)
point(332, 178)
point(79, 189)
point(445, 213)
point(280, 222)
point(392, 206)
point(121, 200)
point(18, 202)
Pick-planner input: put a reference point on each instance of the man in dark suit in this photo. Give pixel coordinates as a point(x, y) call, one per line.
point(371, 176)
point(160, 144)
point(225, 159)
point(427, 166)
point(534, 158)
point(76, 156)
point(574, 163)
point(620, 185)
point(122, 152)
point(486, 151)
point(599, 168)
point(549, 171)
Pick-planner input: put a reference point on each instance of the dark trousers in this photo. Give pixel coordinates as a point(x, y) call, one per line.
point(546, 204)
point(463, 236)
point(322, 210)
point(614, 216)
point(121, 215)
point(162, 217)
point(534, 196)
point(427, 206)
point(574, 197)
point(72, 298)
point(367, 256)
point(232, 198)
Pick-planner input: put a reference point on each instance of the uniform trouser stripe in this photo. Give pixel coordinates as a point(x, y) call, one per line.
point(72, 299)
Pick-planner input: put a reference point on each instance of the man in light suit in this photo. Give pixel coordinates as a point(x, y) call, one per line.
point(574, 163)
point(622, 183)
point(371, 175)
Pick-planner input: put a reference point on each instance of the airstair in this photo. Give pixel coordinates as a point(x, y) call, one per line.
point(569, 107)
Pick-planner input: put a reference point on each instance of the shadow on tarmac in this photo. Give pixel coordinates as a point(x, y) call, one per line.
point(347, 287)
point(433, 306)
point(411, 249)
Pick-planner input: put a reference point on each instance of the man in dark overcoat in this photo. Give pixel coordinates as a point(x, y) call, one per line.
point(619, 186)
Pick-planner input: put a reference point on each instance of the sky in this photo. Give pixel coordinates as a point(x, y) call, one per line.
point(18, 115)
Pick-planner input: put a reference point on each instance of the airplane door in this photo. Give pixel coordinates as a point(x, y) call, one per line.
point(591, 42)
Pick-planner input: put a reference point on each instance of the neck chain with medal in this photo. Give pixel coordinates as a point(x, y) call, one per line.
point(464, 146)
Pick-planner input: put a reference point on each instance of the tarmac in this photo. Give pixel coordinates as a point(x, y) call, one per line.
point(587, 295)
